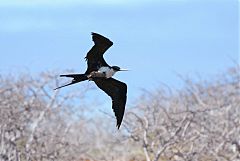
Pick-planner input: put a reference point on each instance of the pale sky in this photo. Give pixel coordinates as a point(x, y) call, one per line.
point(78, 2)
point(156, 39)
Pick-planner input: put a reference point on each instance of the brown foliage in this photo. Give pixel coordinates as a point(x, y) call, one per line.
point(199, 122)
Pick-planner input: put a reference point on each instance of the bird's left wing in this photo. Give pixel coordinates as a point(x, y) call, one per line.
point(118, 92)
point(95, 55)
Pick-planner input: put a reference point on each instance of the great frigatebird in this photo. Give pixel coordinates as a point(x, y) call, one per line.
point(101, 73)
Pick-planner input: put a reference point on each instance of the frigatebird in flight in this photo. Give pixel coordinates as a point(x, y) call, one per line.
point(101, 73)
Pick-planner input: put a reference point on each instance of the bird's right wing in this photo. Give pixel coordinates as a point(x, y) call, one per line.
point(95, 56)
point(118, 92)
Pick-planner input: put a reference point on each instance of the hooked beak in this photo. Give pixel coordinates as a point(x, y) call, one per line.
point(124, 70)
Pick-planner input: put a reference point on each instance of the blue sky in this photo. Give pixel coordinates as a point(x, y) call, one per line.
point(156, 39)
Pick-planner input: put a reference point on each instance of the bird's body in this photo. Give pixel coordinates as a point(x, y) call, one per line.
point(101, 73)
point(109, 72)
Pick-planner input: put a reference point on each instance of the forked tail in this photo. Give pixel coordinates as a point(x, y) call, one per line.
point(76, 78)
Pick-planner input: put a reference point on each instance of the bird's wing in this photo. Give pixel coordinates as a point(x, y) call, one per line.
point(118, 92)
point(95, 55)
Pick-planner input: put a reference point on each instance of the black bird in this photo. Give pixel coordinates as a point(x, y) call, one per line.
point(101, 73)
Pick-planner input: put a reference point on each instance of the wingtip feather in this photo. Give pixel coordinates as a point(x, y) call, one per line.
point(118, 126)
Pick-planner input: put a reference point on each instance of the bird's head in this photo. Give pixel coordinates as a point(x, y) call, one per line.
point(116, 69)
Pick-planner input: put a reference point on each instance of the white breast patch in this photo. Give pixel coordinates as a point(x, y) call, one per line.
point(108, 71)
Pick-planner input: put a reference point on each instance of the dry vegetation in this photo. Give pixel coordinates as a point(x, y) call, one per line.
point(200, 122)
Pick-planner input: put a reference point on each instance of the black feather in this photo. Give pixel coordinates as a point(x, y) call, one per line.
point(118, 92)
point(94, 57)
